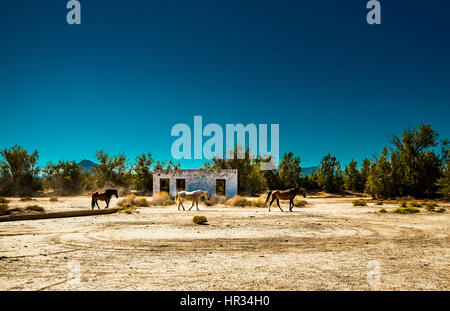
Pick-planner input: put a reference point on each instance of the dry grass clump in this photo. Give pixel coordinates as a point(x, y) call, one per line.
point(4, 201)
point(199, 220)
point(359, 202)
point(128, 201)
point(300, 203)
point(3, 208)
point(383, 211)
point(406, 210)
point(431, 207)
point(161, 199)
point(216, 199)
point(35, 208)
point(414, 204)
point(379, 202)
point(26, 199)
point(53, 199)
point(260, 201)
point(142, 202)
point(403, 203)
point(237, 200)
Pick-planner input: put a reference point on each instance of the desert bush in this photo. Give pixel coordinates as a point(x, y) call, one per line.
point(53, 199)
point(128, 201)
point(359, 202)
point(26, 199)
point(168, 202)
point(441, 210)
point(216, 199)
point(414, 204)
point(406, 210)
point(142, 202)
point(160, 198)
point(430, 206)
point(3, 200)
point(383, 211)
point(237, 200)
point(35, 208)
point(300, 203)
point(259, 202)
point(199, 220)
point(403, 204)
point(379, 203)
point(3, 208)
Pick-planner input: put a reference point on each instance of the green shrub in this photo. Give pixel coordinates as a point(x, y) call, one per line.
point(359, 202)
point(406, 210)
point(160, 198)
point(430, 206)
point(300, 203)
point(199, 220)
point(414, 204)
point(403, 204)
point(53, 199)
point(26, 199)
point(35, 208)
point(4, 201)
point(128, 211)
point(3, 208)
point(379, 203)
point(441, 210)
point(383, 211)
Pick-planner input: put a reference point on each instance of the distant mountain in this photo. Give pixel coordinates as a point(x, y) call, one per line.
point(308, 170)
point(86, 165)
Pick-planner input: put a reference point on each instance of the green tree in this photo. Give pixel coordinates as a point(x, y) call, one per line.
point(380, 181)
point(415, 164)
point(143, 174)
point(65, 177)
point(329, 175)
point(352, 177)
point(443, 183)
point(289, 171)
point(19, 172)
point(112, 170)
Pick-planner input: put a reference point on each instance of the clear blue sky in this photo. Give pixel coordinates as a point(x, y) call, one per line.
point(133, 69)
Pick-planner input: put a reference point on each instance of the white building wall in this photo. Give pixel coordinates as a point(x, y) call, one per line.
point(201, 179)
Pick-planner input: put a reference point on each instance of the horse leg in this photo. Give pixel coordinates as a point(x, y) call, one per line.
point(193, 202)
point(273, 199)
point(96, 202)
point(278, 203)
point(182, 205)
point(291, 205)
point(197, 206)
point(107, 204)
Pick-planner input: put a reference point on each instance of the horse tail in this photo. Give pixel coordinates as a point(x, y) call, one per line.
point(268, 196)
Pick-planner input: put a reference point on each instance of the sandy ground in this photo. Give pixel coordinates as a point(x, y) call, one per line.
point(328, 245)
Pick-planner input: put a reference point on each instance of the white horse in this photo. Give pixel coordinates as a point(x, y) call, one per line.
point(193, 196)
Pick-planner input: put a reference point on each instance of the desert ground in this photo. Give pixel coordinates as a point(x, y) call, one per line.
point(327, 245)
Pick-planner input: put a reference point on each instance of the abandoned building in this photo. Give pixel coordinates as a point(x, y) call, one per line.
point(220, 182)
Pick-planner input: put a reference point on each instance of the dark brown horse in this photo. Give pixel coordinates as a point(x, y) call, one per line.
point(285, 195)
point(103, 196)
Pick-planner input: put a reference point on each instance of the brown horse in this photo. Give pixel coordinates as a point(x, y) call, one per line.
point(103, 196)
point(285, 195)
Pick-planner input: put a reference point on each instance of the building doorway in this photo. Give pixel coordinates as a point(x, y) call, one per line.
point(181, 185)
point(164, 185)
point(220, 187)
